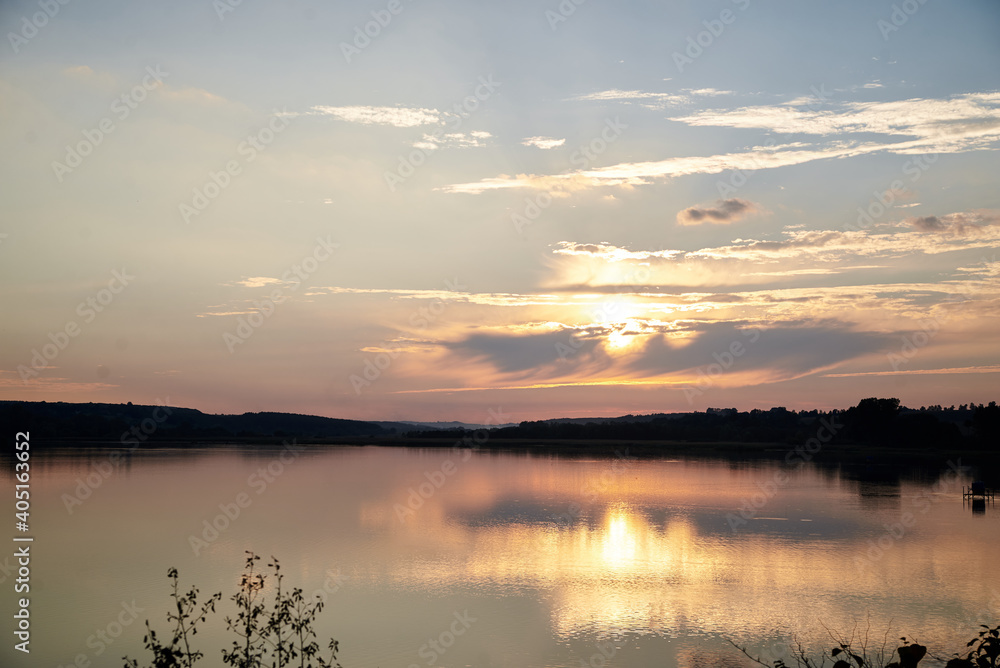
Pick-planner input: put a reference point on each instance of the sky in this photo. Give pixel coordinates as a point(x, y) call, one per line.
point(420, 210)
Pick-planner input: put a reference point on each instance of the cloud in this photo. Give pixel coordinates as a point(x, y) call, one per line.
point(644, 173)
point(995, 368)
point(86, 74)
point(543, 142)
point(197, 96)
point(725, 211)
point(632, 95)
point(258, 282)
point(708, 92)
point(669, 352)
point(785, 351)
point(786, 257)
point(958, 224)
point(544, 353)
point(399, 117)
point(652, 100)
point(928, 224)
point(431, 142)
point(953, 124)
point(608, 252)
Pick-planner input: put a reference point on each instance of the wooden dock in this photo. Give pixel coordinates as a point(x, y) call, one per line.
point(978, 490)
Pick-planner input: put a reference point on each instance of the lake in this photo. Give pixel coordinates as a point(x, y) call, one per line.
point(455, 557)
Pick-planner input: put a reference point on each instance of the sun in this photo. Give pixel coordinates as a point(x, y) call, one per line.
point(623, 334)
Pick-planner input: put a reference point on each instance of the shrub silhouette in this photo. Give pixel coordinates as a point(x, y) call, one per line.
point(985, 654)
point(270, 634)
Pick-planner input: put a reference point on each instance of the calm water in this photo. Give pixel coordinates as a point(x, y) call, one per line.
point(531, 561)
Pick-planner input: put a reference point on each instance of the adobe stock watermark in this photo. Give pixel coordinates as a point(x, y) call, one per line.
point(989, 613)
point(606, 651)
point(922, 503)
point(724, 361)
point(582, 159)
point(421, 319)
point(921, 338)
point(334, 581)
point(223, 7)
point(435, 648)
point(899, 17)
point(408, 164)
point(103, 638)
point(435, 479)
point(293, 278)
point(230, 512)
point(738, 178)
point(31, 25)
point(102, 470)
point(697, 44)
point(122, 108)
point(562, 12)
point(913, 343)
point(248, 150)
point(60, 339)
point(881, 202)
point(364, 34)
point(798, 456)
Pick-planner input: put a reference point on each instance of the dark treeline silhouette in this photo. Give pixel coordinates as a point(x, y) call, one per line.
point(881, 422)
point(876, 422)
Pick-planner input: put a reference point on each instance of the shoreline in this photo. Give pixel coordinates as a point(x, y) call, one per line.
point(636, 448)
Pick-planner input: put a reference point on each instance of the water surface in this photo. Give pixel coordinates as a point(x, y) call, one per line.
point(510, 559)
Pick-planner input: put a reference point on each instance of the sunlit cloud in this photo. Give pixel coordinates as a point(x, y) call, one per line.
point(609, 252)
point(543, 142)
point(87, 74)
point(796, 252)
point(400, 117)
point(258, 282)
point(473, 139)
point(644, 173)
point(920, 372)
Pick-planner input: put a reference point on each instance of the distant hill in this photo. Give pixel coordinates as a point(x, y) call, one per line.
point(406, 426)
point(58, 421)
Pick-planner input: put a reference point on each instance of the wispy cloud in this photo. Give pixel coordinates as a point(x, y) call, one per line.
point(610, 253)
point(916, 126)
point(919, 372)
point(400, 117)
point(431, 142)
point(616, 95)
point(651, 99)
point(954, 123)
point(257, 282)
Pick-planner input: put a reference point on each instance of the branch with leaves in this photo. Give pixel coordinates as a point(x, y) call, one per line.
point(272, 635)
